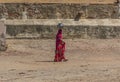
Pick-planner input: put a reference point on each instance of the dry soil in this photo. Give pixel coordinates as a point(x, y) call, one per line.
point(89, 61)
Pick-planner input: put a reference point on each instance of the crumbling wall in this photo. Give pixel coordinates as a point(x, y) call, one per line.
point(49, 32)
point(3, 46)
point(47, 28)
point(53, 11)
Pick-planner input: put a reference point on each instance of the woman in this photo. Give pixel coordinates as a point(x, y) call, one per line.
point(60, 47)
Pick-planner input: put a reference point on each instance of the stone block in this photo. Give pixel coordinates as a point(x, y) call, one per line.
point(3, 46)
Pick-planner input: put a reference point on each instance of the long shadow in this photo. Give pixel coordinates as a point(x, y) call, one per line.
point(44, 61)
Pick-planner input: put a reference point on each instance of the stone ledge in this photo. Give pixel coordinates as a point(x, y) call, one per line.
point(66, 22)
point(60, 1)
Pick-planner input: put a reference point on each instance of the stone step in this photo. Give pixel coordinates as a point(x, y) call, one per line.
point(60, 1)
point(66, 22)
point(47, 28)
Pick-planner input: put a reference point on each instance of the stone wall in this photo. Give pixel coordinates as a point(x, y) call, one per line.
point(60, 1)
point(61, 11)
point(2, 37)
point(84, 32)
point(47, 28)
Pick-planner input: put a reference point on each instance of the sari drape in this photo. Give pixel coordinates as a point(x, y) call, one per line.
point(60, 47)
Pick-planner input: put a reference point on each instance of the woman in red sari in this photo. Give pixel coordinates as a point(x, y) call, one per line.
point(60, 47)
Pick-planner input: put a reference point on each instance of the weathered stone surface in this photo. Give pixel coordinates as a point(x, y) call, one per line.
point(40, 31)
point(60, 1)
point(46, 28)
point(61, 11)
point(66, 22)
point(2, 37)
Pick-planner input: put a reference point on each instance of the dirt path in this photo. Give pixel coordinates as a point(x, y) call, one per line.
point(89, 61)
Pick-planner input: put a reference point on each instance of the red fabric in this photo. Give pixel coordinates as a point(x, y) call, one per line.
point(60, 47)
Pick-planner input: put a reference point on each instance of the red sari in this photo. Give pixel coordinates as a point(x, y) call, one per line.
point(60, 47)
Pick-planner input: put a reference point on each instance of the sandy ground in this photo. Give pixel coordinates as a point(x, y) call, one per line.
point(89, 61)
point(58, 1)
